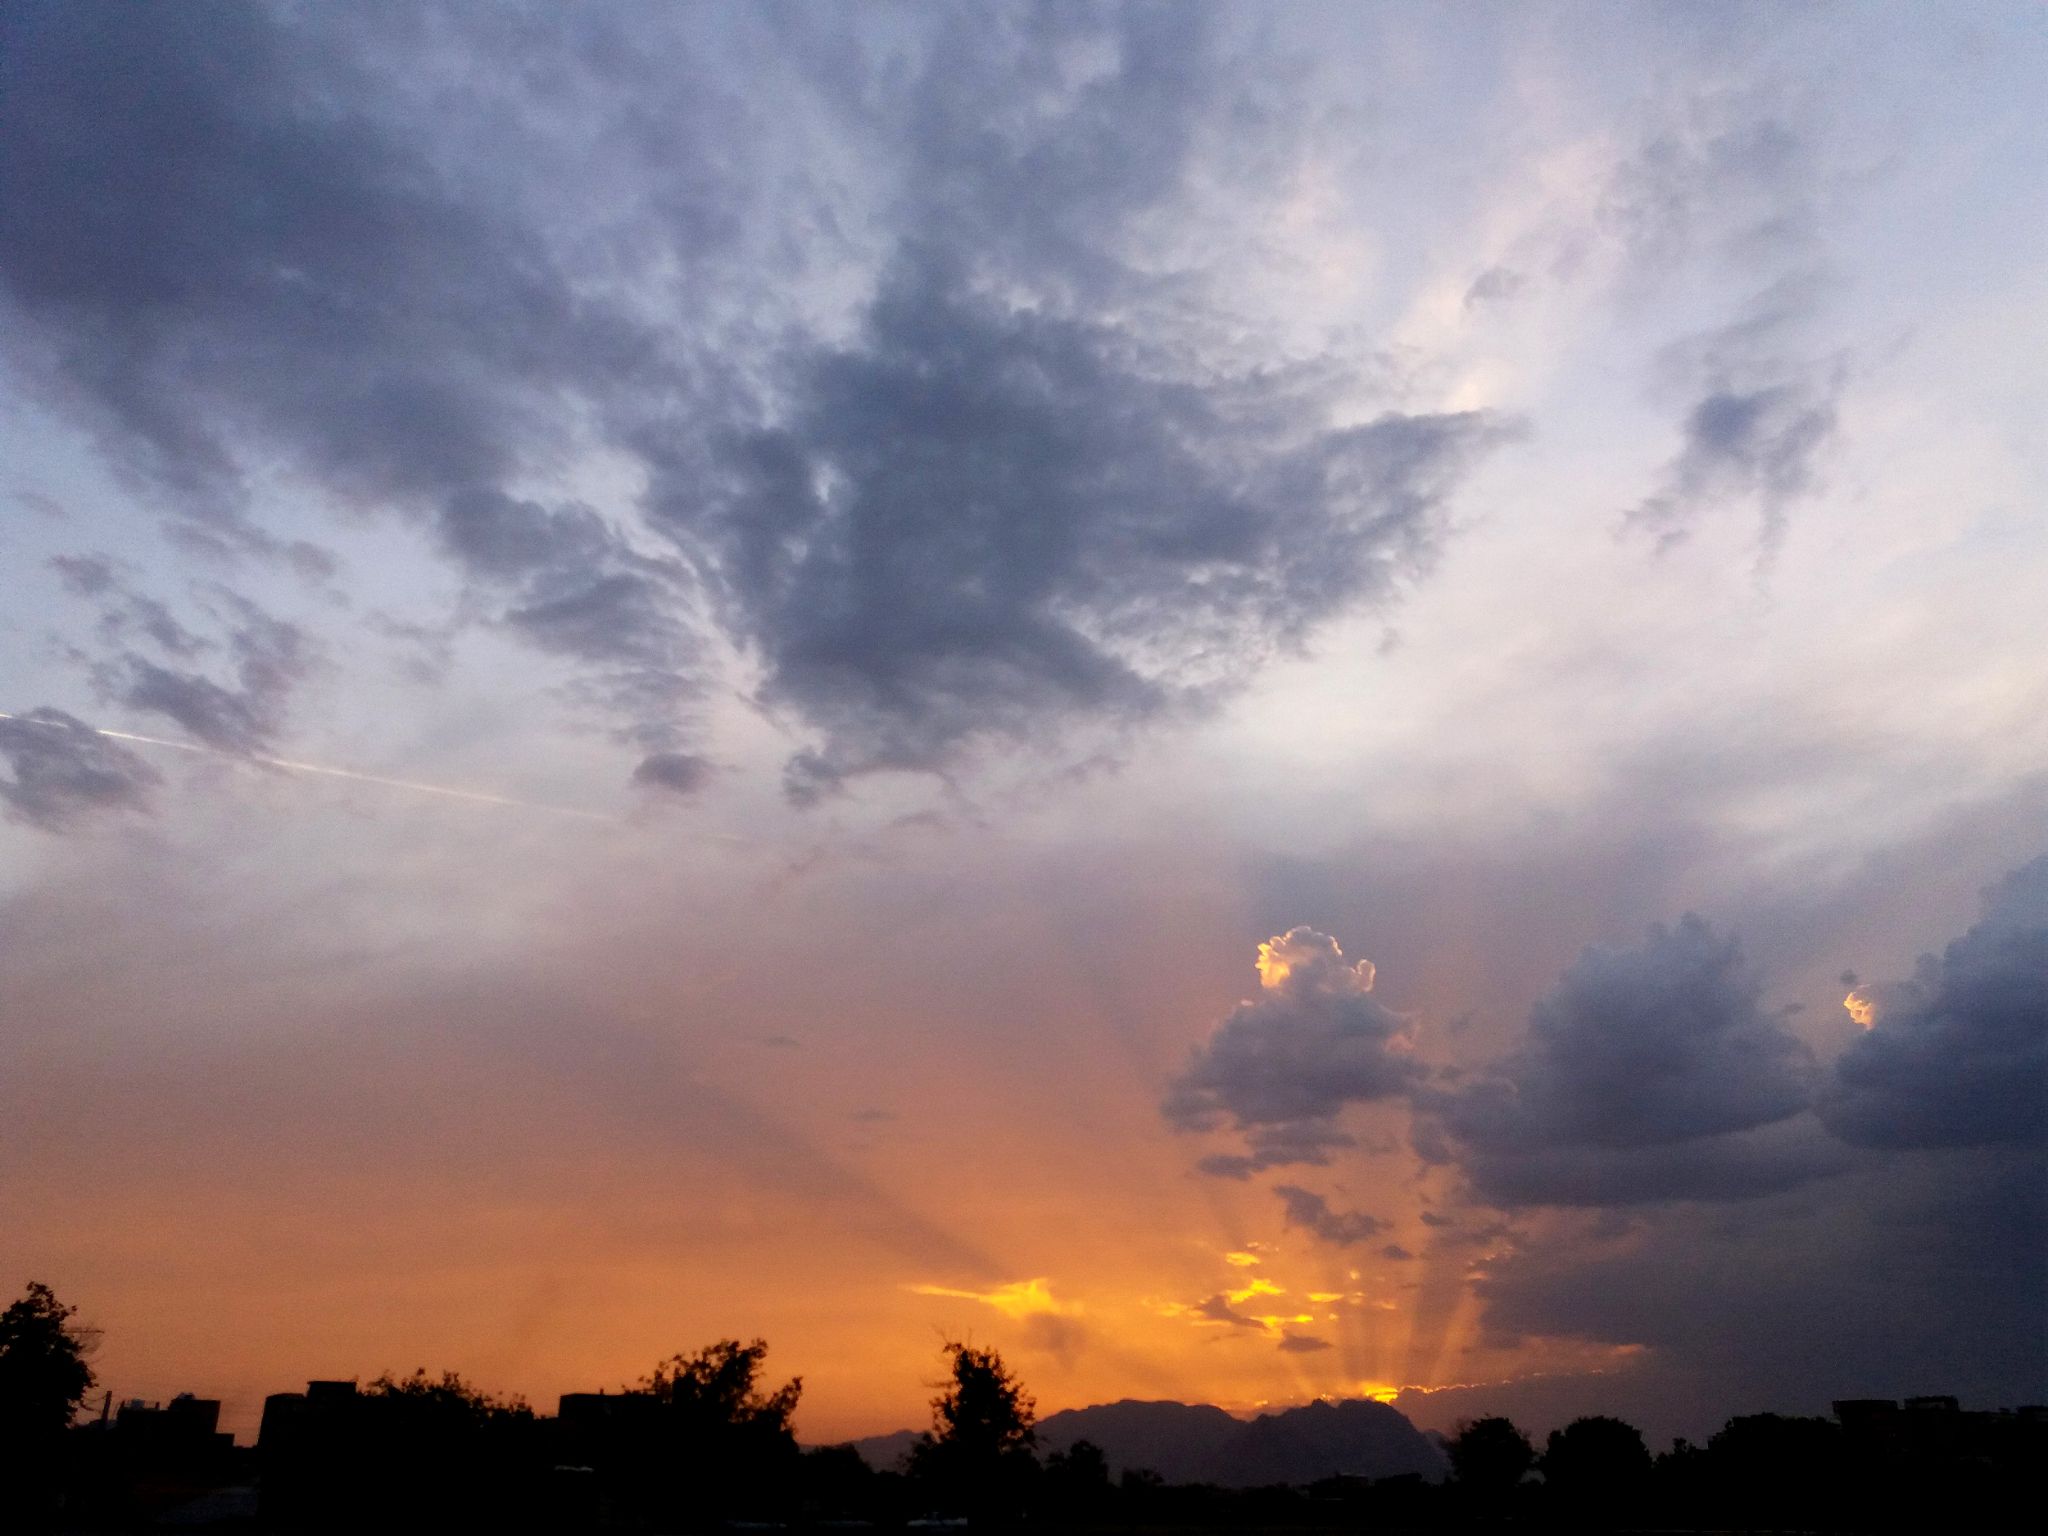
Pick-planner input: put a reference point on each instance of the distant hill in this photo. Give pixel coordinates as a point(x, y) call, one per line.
point(1182, 1442)
point(1197, 1443)
point(886, 1453)
point(1357, 1437)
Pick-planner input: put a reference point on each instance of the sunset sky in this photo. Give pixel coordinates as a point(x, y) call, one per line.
point(1256, 701)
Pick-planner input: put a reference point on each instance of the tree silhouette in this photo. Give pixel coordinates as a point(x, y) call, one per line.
point(717, 1389)
point(1765, 1466)
point(442, 1400)
point(1490, 1456)
point(43, 1374)
point(977, 1456)
point(1077, 1481)
point(43, 1379)
point(431, 1451)
point(1596, 1465)
point(715, 1440)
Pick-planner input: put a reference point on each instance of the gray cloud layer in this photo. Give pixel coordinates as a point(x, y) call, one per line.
point(60, 771)
point(1025, 491)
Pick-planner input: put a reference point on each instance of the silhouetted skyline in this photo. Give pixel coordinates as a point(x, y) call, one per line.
point(705, 1440)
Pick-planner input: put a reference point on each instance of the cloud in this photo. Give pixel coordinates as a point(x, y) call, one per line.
point(986, 518)
point(1218, 1309)
point(1957, 1056)
point(61, 771)
point(679, 773)
point(1306, 1144)
point(1017, 1299)
point(1722, 178)
point(991, 478)
point(1649, 1073)
point(270, 658)
point(1914, 1268)
point(1728, 184)
point(1756, 444)
point(124, 611)
point(1311, 1211)
point(571, 584)
point(240, 264)
point(1496, 285)
point(1283, 1065)
point(1302, 1344)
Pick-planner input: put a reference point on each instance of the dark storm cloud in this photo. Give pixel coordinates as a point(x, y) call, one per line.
point(1650, 1073)
point(1918, 1270)
point(61, 771)
point(1311, 1211)
point(1283, 1065)
point(1958, 1055)
point(1920, 1259)
point(1734, 1166)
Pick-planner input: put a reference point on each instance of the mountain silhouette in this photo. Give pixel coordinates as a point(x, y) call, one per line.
point(1182, 1442)
point(1355, 1437)
point(1198, 1443)
point(886, 1453)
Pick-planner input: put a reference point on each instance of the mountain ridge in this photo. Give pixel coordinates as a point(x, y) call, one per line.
point(1201, 1443)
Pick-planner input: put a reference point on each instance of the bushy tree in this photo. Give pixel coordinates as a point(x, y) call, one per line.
point(429, 1451)
point(718, 1389)
point(717, 1439)
point(43, 1374)
point(43, 1379)
point(445, 1399)
point(1596, 1466)
point(1076, 1483)
point(977, 1456)
point(1764, 1465)
point(1490, 1456)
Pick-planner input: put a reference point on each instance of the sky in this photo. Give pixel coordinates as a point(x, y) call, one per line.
point(1257, 702)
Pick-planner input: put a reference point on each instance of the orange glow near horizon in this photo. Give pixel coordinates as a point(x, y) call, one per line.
point(530, 1236)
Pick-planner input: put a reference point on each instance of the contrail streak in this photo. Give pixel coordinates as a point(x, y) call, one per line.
point(291, 765)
